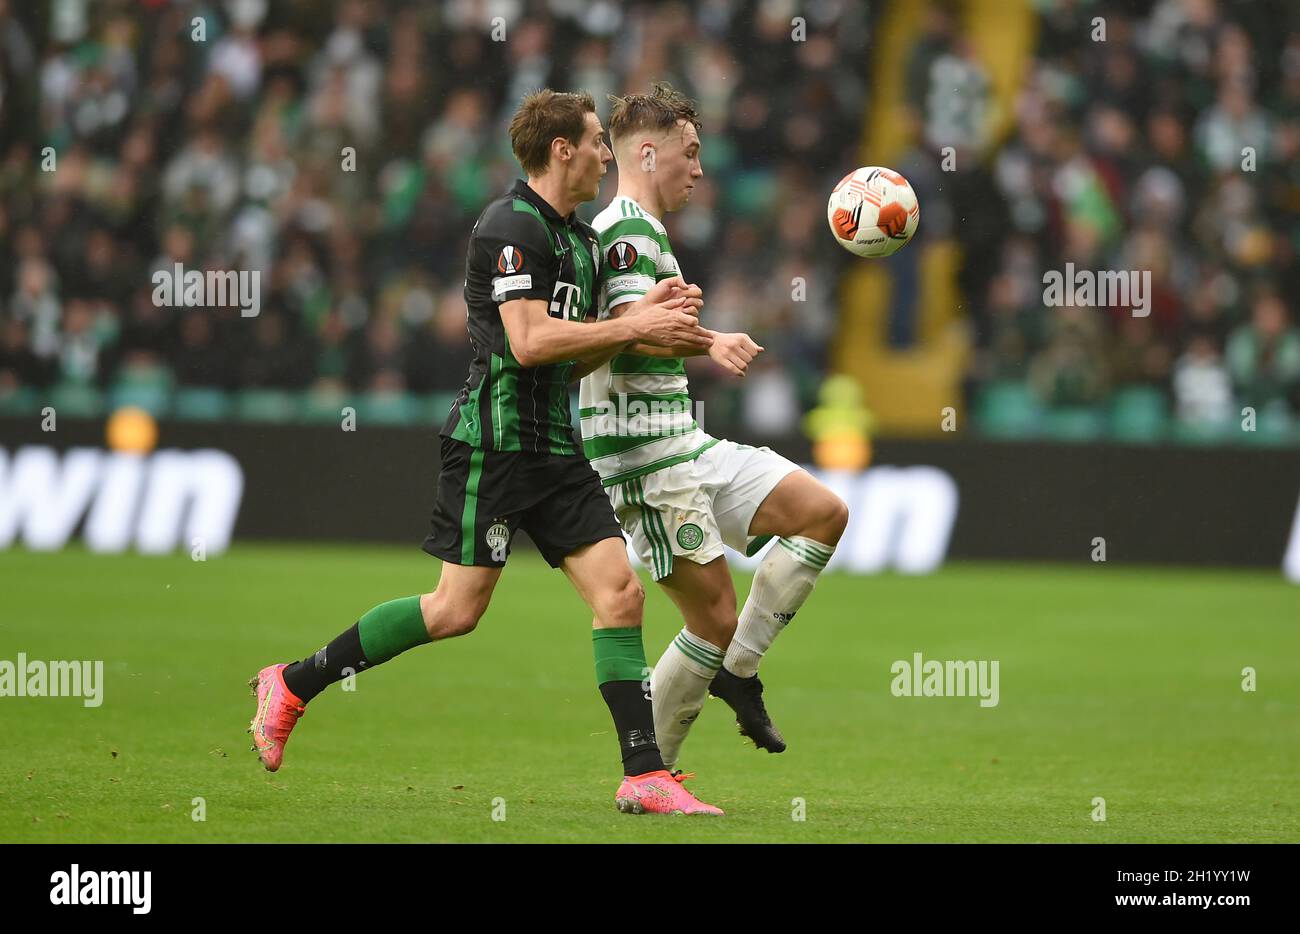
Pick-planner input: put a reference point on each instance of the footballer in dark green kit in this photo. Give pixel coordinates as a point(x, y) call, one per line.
point(509, 458)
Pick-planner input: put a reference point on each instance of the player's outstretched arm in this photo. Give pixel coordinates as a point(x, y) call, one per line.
point(733, 352)
point(537, 339)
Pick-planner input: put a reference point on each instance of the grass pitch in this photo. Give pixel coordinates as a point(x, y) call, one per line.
point(1123, 684)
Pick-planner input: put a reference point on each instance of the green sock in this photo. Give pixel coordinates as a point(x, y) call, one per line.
point(623, 678)
point(620, 655)
point(391, 628)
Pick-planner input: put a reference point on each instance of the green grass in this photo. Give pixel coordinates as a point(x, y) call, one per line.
point(1118, 683)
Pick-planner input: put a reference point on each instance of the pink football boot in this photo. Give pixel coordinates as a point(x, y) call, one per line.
point(278, 711)
point(659, 793)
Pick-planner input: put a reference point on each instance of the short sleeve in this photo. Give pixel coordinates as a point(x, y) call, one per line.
point(514, 250)
point(630, 257)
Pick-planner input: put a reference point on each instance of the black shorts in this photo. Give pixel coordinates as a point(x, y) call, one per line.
point(485, 497)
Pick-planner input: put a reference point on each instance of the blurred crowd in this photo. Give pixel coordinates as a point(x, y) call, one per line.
point(343, 149)
point(1170, 142)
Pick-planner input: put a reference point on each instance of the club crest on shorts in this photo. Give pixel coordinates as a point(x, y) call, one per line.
point(690, 536)
point(497, 536)
point(622, 256)
point(511, 260)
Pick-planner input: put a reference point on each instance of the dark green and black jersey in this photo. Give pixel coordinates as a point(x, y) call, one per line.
point(521, 248)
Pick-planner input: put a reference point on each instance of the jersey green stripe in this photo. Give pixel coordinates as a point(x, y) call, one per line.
point(599, 446)
point(510, 439)
point(523, 207)
point(582, 264)
point(560, 428)
point(560, 425)
point(494, 373)
point(636, 226)
point(649, 398)
point(469, 515)
point(630, 363)
point(658, 465)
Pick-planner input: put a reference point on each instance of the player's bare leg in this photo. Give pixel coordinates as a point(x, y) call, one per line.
point(706, 598)
point(601, 574)
point(459, 601)
point(808, 519)
point(283, 691)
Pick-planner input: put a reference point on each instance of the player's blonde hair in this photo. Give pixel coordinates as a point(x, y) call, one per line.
point(662, 109)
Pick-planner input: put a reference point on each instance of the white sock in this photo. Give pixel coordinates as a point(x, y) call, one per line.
point(679, 686)
point(782, 584)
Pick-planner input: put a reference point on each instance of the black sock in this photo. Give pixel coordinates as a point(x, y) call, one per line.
point(315, 673)
point(635, 722)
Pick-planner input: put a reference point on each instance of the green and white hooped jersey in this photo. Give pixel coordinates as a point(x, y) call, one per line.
point(636, 411)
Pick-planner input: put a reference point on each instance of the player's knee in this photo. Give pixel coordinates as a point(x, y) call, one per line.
point(721, 627)
point(830, 517)
point(625, 602)
point(445, 619)
point(460, 622)
point(838, 515)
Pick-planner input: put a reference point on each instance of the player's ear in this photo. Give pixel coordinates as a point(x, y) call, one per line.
point(649, 154)
point(561, 149)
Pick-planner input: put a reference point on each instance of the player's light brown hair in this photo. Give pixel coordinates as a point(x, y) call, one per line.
point(543, 116)
point(659, 110)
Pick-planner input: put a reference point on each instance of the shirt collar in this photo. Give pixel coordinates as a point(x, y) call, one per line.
point(522, 190)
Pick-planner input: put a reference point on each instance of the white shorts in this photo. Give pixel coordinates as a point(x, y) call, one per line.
point(690, 510)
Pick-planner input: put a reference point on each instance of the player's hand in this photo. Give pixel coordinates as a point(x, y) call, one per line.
point(676, 287)
point(693, 296)
point(734, 352)
point(671, 323)
point(669, 315)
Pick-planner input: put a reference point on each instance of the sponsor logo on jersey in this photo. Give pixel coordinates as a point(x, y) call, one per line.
point(511, 260)
point(503, 284)
point(566, 302)
point(622, 256)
